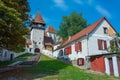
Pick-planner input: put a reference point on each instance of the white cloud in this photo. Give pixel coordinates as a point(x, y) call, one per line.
point(78, 1)
point(103, 11)
point(61, 4)
point(88, 2)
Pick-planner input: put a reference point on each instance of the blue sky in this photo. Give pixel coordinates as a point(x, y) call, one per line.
point(92, 10)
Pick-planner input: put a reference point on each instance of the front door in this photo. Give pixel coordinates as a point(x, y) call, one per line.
point(111, 66)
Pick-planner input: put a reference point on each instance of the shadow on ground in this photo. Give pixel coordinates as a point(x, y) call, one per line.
point(42, 69)
point(47, 68)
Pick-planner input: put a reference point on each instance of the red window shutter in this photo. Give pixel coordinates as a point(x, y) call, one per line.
point(105, 45)
point(80, 46)
point(68, 50)
point(100, 47)
point(76, 47)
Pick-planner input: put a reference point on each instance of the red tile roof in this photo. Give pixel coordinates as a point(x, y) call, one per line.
point(85, 31)
point(39, 19)
point(51, 29)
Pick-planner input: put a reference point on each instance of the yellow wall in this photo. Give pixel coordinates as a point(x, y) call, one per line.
point(49, 48)
point(111, 32)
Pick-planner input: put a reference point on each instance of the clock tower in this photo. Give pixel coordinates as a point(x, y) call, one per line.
point(37, 33)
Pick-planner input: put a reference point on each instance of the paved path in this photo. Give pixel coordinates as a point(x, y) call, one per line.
point(30, 61)
point(33, 60)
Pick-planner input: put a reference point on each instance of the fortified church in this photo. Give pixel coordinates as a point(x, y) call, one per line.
point(40, 39)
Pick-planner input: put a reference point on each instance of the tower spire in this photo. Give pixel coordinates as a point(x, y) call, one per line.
point(39, 19)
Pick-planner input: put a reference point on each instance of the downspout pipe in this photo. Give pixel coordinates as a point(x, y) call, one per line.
point(87, 58)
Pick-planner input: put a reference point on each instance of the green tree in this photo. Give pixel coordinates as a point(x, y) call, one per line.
point(22, 6)
point(72, 24)
point(12, 29)
point(115, 44)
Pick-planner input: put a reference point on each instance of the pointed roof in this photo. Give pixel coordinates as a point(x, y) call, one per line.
point(86, 31)
point(51, 29)
point(39, 19)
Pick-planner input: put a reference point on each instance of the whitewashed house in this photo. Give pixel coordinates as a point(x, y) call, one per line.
point(88, 47)
point(6, 55)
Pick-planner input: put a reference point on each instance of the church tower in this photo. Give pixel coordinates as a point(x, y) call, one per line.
point(37, 33)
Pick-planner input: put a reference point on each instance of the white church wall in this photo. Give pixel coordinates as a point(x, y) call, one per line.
point(53, 35)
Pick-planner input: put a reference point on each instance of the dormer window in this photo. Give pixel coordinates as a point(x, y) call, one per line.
point(105, 30)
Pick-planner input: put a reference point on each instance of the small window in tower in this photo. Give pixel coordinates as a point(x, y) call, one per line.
point(105, 30)
point(39, 25)
point(39, 42)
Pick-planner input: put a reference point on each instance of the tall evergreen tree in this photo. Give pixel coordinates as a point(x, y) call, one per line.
point(72, 24)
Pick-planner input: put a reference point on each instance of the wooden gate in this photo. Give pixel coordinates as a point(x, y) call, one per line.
point(111, 66)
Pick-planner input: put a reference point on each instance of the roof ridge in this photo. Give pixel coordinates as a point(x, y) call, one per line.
point(85, 31)
point(50, 29)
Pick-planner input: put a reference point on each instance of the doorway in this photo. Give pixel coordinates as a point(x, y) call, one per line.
point(111, 66)
point(11, 56)
point(37, 50)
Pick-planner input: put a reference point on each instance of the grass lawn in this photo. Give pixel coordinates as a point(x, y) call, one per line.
point(5, 63)
point(25, 56)
point(50, 69)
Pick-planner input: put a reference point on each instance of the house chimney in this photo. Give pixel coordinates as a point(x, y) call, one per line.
point(69, 38)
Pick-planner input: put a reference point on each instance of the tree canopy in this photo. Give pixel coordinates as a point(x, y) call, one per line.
point(72, 24)
point(21, 6)
point(12, 24)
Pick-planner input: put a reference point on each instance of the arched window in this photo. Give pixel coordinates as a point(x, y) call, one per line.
point(61, 53)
